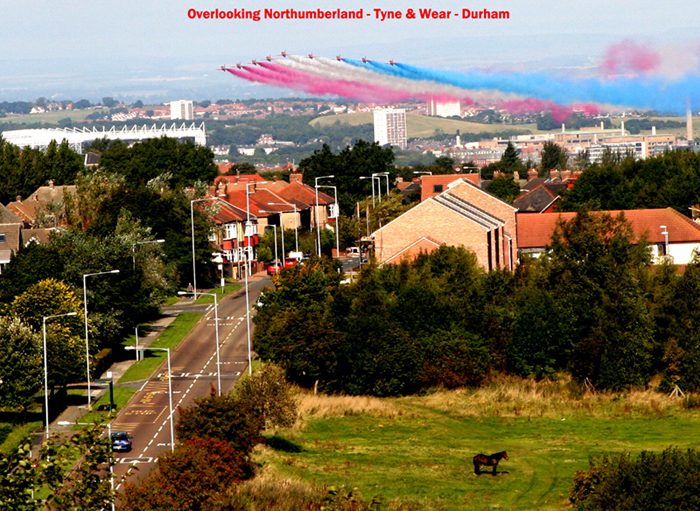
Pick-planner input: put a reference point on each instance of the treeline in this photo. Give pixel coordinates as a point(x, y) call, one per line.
point(593, 307)
point(668, 180)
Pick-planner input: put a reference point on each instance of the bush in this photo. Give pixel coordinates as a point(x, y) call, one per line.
point(666, 481)
point(270, 394)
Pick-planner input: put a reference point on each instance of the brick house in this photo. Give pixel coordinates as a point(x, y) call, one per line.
point(462, 215)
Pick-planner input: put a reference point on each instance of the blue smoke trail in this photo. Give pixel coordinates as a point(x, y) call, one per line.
point(646, 92)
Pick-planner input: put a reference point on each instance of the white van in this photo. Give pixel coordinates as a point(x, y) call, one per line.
point(352, 252)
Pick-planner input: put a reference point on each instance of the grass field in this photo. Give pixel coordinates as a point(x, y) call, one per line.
point(419, 450)
point(420, 126)
point(47, 117)
point(170, 338)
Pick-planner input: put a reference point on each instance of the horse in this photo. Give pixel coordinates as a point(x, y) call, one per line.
point(489, 461)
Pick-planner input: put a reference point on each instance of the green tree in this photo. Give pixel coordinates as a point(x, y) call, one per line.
point(269, 391)
point(21, 363)
point(510, 161)
point(554, 156)
point(597, 269)
point(504, 187)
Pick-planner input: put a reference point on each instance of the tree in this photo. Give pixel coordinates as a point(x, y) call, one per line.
point(510, 161)
point(193, 477)
point(594, 259)
point(268, 390)
point(554, 156)
point(504, 187)
point(109, 102)
point(222, 418)
point(21, 367)
point(665, 481)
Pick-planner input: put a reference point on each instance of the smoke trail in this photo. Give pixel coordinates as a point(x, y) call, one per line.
point(627, 56)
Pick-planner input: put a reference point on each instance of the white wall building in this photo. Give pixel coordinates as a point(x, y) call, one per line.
point(444, 108)
point(390, 127)
point(181, 109)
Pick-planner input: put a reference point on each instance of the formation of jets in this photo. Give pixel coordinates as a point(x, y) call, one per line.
point(311, 56)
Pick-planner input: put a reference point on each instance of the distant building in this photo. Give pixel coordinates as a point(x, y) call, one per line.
point(444, 108)
point(181, 109)
point(390, 127)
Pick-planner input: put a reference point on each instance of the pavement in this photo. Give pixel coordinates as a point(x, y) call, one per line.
point(64, 423)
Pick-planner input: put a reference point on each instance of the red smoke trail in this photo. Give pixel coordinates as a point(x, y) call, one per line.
point(628, 56)
point(316, 84)
point(560, 113)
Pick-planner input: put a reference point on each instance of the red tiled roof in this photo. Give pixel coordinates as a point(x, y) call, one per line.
point(535, 230)
point(305, 194)
point(429, 181)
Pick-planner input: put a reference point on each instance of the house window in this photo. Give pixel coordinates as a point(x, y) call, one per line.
point(3, 238)
point(437, 188)
point(230, 231)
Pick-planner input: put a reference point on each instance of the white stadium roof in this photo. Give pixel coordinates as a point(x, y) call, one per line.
point(77, 137)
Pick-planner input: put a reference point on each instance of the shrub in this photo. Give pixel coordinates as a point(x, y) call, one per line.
point(666, 481)
point(269, 393)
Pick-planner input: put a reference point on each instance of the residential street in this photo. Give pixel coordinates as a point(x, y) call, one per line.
point(194, 372)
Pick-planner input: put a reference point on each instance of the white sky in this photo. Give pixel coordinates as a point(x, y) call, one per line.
point(127, 36)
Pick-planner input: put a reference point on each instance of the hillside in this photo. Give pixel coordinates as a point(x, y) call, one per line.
point(422, 126)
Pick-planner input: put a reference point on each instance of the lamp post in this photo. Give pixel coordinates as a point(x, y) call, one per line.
point(46, 369)
point(337, 218)
point(216, 327)
point(133, 249)
point(194, 268)
point(318, 221)
point(109, 435)
point(386, 175)
point(170, 390)
point(665, 233)
point(87, 340)
point(282, 229)
point(245, 255)
point(296, 222)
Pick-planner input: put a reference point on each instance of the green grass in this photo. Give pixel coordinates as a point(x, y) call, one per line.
point(420, 449)
point(122, 395)
point(420, 126)
point(205, 299)
point(14, 434)
point(170, 338)
point(48, 117)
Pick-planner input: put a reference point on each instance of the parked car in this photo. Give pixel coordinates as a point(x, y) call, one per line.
point(121, 441)
point(290, 261)
point(274, 267)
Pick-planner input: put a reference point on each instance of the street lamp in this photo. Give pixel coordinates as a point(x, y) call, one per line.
point(665, 233)
point(386, 175)
point(216, 326)
point(133, 249)
point(245, 255)
point(170, 390)
point(373, 177)
point(46, 369)
point(87, 343)
point(318, 221)
point(282, 227)
point(337, 218)
point(194, 268)
point(296, 222)
point(111, 465)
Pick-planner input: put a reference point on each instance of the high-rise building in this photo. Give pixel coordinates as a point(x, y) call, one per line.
point(390, 127)
point(181, 109)
point(444, 108)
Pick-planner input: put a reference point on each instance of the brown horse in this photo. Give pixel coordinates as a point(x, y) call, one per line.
point(488, 461)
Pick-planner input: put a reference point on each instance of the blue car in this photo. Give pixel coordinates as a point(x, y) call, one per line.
point(121, 441)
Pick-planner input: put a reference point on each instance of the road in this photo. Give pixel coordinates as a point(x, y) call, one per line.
point(193, 373)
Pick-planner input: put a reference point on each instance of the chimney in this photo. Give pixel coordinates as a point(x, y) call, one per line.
point(532, 174)
point(399, 179)
point(602, 125)
point(563, 127)
point(35, 197)
point(51, 184)
point(516, 176)
point(553, 174)
point(565, 174)
point(497, 173)
point(296, 177)
point(689, 121)
point(274, 179)
point(622, 128)
point(653, 130)
point(18, 198)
